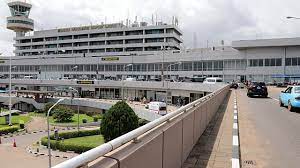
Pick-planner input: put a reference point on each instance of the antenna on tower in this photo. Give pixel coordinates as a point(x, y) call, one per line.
point(195, 45)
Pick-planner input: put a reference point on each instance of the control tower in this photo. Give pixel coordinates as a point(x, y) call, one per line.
point(19, 21)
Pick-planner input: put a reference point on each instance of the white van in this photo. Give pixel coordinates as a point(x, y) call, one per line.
point(213, 80)
point(158, 108)
point(130, 79)
point(29, 77)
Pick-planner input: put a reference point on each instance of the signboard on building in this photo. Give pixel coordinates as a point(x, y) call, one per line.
point(113, 25)
point(110, 59)
point(85, 82)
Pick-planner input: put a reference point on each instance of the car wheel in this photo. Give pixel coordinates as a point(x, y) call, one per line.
point(290, 107)
point(280, 103)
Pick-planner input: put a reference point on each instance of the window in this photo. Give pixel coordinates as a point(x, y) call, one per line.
point(288, 61)
point(278, 62)
point(294, 62)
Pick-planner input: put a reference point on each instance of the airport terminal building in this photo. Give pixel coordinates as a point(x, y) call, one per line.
point(147, 52)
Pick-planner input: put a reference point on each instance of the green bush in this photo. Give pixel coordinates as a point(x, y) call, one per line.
point(47, 107)
point(62, 114)
point(95, 119)
point(8, 129)
point(15, 114)
point(118, 120)
point(22, 125)
point(142, 122)
point(63, 146)
point(84, 120)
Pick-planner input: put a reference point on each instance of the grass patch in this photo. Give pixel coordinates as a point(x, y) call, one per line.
point(74, 119)
point(92, 141)
point(15, 120)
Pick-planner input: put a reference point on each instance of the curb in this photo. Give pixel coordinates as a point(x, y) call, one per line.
point(29, 150)
point(9, 135)
point(235, 161)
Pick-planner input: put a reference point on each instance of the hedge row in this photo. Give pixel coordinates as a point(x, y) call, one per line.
point(64, 146)
point(74, 134)
point(9, 129)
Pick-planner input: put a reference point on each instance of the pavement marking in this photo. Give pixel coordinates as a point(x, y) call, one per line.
point(235, 160)
point(235, 163)
point(274, 99)
point(235, 140)
point(235, 126)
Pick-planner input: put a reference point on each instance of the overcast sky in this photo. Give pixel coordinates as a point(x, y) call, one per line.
point(212, 20)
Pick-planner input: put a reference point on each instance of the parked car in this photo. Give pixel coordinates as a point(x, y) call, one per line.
point(213, 80)
point(234, 85)
point(290, 97)
point(158, 107)
point(257, 89)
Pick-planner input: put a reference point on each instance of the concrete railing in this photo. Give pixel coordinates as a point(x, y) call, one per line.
point(162, 143)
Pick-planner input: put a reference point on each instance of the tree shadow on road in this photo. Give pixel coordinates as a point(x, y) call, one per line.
point(202, 153)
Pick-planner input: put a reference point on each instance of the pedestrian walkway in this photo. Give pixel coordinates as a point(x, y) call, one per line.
point(214, 148)
point(37, 123)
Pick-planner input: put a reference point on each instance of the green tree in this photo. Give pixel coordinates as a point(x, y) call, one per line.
point(118, 120)
point(46, 108)
point(62, 114)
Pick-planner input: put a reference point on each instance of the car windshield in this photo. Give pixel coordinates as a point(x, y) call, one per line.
point(297, 89)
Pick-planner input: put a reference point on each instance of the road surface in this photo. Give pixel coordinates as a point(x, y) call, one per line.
point(270, 135)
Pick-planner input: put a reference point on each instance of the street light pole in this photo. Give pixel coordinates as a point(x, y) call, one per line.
point(77, 108)
point(124, 68)
point(48, 127)
point(170, 66)
point(9, 105)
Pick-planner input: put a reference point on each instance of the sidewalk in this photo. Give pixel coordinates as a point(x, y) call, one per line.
point(214, 148)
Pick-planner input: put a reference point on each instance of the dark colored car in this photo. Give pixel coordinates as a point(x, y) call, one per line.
point(234, 85)
point(257, 89)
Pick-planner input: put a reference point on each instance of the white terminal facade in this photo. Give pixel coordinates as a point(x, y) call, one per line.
point(146, 52)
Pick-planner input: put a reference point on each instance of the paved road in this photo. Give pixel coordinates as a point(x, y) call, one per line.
point(276, 131)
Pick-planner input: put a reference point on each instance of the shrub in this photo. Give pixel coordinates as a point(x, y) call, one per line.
point(47, 107)
point(84, 120)
point(63, 146)
point(8, 129)
point(22, 125)
point(15, 114)
point(63, 114)
point(142, 122)
point(118, 120)
point(97, 117)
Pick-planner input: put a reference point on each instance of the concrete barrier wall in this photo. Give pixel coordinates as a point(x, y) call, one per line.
point(169, 145)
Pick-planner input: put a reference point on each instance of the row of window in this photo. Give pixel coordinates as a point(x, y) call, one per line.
point(20, 21)
point(97, 35)
point(265, 62)
point(169, 66)
point(184, 66)
point(294, 61)
point(107, 42)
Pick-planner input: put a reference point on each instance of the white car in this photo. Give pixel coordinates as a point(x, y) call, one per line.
point(158, 108)
point(213, 80)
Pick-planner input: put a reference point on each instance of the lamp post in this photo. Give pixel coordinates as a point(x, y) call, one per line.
point(170, 66)
point(48, 127)
point(124, 68)
point(73, 68)
point(73, 89)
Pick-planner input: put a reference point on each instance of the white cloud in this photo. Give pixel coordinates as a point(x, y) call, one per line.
point(212, 20)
